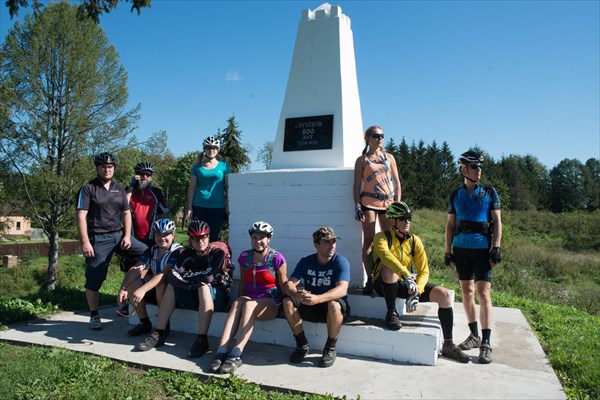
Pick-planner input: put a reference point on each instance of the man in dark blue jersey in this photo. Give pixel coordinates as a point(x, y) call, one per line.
point(473, 235)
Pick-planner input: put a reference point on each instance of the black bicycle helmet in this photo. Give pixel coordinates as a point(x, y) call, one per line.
point(398, 209)
point(262, 227)
point(143, 166)
point(469, 157)
point(164, 225)
point(198, 228)
point(105, 158)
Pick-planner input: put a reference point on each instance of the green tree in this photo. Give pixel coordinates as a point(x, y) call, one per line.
point(176, 182)
point(265, 154)
point(88, 8)
point(567, 189)
point(65, 92)
point(591, 183)
point(232, 150)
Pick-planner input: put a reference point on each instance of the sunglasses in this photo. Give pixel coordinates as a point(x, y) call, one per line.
point(145, 174)
point(198, 238)
point(377, 136)
point(476, 166)
point(404, 219)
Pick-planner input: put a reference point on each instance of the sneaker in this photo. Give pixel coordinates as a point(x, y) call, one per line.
point(392, 320)
point(140, 329)
point(485, 354)
point(95, 322)
point(230, 365)
point(199, 347)
point(368, 288)
point(216, 362)
point(328, 358)
point(152, 341)
point(299, 354)
point(453, 352)
point(123, 311)
point(472, 342)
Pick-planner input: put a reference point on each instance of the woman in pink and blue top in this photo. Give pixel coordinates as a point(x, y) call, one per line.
point(263, 273)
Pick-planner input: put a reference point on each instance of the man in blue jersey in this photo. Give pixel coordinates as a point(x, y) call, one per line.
point(324, 297)
point(473, 236)
point(104, 225)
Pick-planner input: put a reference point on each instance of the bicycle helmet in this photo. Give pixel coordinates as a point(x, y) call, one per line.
point(143, 166)
point(198, 228)
point(398, 209)
point(261, 227)
point(212, 141)
point(105, 158)
point(469, 157)
point(164, 225)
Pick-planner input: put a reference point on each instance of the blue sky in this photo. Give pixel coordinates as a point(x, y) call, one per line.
point(512, 77)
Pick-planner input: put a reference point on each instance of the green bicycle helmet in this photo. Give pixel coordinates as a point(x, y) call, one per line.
point(398, 209)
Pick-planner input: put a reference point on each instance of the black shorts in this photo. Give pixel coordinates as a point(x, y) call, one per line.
point(189, 299)
point(403, 290)
point(473, 262)
point(318, 312)
point(378, 212)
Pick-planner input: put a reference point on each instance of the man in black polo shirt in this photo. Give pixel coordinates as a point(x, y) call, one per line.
point(104, 226)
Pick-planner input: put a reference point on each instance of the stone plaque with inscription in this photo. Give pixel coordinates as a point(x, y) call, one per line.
point(308, 133)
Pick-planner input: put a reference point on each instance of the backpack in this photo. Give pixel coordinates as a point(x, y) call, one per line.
point(374, 263)
point(269, 265)
point(224, 277)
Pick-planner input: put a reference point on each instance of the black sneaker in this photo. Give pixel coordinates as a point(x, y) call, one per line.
point(216, 362)
point(123, 311)
point(453, 352)
point(140, 329)
point(152, 341)
point(199, 347)
point(392, 320)
point(328, 358)
point(230, 365)
point(368, 288)
point(471, 342)
point(299, 354)
point(485, 353)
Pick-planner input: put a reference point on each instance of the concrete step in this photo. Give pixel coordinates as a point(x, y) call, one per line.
point(418, 342)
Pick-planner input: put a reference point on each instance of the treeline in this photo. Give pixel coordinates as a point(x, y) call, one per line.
point(430, 172)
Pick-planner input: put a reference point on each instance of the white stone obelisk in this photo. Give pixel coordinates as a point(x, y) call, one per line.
point(320, 135)
point(322, 81)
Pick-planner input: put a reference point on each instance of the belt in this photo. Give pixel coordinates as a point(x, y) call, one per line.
point(378, 196)
point(472, 227)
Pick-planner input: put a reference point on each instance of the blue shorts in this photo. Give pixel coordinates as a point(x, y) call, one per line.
point(190, 299)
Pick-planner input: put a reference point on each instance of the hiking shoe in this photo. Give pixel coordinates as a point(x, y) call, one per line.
point(392, 320)
point(230, 365)
point(485, 353)
point(368, 288)
point(216, 362)
point(328, 358)
point(472, 342)
point(199, 347)
point(123, 311)
point(453, 352)
point(95, 323)
point(299, 354)
point(140, 329)
point(152, 341)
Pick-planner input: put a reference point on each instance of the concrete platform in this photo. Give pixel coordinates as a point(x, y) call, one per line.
point(520, 369)
point(418, 342)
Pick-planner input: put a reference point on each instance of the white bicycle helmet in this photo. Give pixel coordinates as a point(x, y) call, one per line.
point(262, 227)
point(212, 141)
